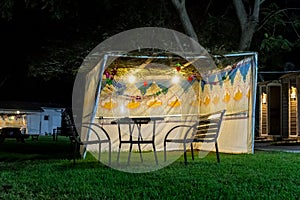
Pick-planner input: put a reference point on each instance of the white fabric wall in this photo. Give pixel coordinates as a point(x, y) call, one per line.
point(232, 137)
point(162, 127)
point(236, 94)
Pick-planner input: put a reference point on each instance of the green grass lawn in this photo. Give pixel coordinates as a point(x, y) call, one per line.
point(43, 170)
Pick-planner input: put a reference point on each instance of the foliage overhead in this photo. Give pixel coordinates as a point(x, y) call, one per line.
point(54, 36)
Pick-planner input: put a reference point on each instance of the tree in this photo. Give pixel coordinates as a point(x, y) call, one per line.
point(30, 18)
point(56, 9)
point(248, 16)
point(279, 33)
point(184, 18)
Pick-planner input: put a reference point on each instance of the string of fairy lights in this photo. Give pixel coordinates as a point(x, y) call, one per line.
point(11, 117)
point(109, 79)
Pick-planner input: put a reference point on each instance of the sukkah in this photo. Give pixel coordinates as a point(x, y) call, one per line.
point(170, 86)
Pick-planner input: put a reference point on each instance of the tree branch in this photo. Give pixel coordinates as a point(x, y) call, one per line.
point(179, 3)
point(240, 11)
point(256, 10)
point(261, 2)
point(293, 26)
point(207, 7)
point(3, 81)
point(267, 18)
point(184, 18)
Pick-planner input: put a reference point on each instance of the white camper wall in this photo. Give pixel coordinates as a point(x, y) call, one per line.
point(33, 123)
point(51, 119)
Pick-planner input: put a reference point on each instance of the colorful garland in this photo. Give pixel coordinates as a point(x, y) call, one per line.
point(141, 98)
point(110, 81)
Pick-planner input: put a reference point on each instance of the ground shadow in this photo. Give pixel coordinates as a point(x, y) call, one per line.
point(44, 148)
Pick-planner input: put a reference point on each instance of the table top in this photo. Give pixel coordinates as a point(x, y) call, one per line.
point(136, 120)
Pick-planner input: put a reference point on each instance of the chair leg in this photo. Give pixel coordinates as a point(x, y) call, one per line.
point(74, 155)
point(217, 152)
point(192, 151)
point(184, 153)
point(118, 157)
point(165, 151)
point(109, 154)
point(99, 154)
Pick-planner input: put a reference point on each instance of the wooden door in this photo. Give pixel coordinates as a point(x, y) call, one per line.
point(274, 110)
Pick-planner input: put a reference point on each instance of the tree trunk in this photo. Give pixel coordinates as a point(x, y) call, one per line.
point(247, 33)
point(248, 22)
point(184, 18)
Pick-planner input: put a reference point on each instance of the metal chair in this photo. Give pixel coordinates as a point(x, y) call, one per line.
point(205, 130)
point(77, 141)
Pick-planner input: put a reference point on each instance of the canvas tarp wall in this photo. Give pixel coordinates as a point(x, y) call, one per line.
point(232, 88)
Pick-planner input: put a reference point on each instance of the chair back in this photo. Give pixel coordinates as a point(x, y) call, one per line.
point(207, 129)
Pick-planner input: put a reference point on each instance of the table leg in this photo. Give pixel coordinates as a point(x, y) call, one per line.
point(120, 143)
point(130, 141)
point(129, 155)
point(140, 139)
point(155, 153)
point(153, 143)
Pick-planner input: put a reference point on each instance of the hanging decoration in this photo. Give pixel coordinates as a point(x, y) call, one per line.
point(190, 78)
point(136, 98)
point(224, 76)
point(178, 67)
point(109, 77)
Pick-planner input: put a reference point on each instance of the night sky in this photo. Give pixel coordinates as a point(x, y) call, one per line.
point(30, 31)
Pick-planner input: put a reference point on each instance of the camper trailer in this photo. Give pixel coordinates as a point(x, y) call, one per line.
point(33, 119)
point(44, 122)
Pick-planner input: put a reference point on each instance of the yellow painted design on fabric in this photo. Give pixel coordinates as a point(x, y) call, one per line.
point(226, 97)
point(238, 95)
point(109, 105)
point(133, 105)
point(206, 100)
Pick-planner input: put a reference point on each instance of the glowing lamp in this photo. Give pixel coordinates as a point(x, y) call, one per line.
point(175, 79)
point(131, 79)
point(293, 92)
point(264, 98)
